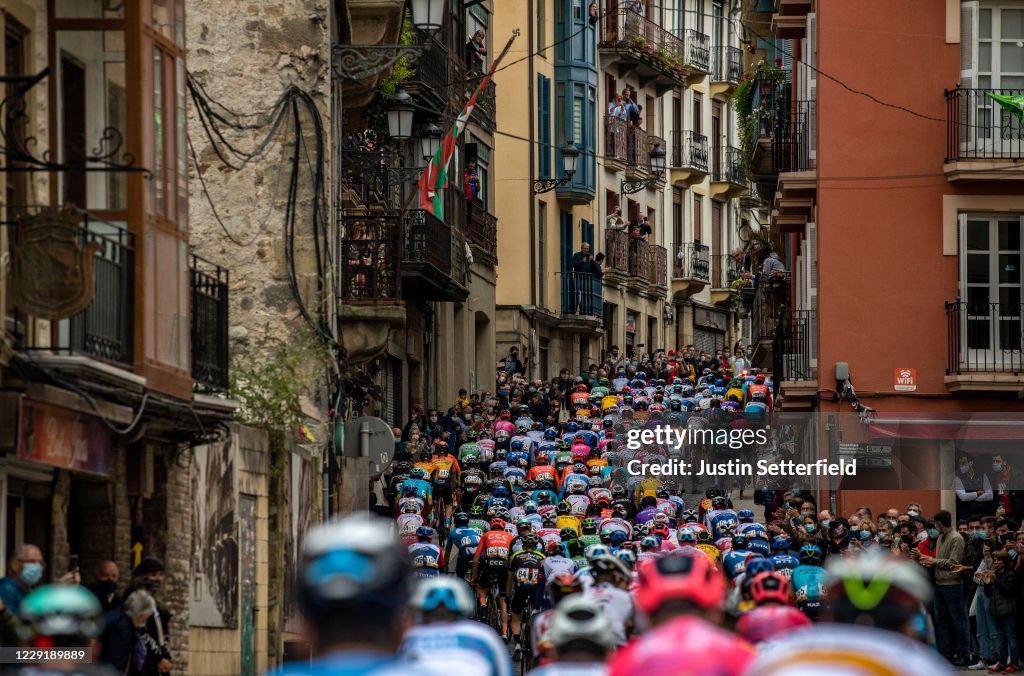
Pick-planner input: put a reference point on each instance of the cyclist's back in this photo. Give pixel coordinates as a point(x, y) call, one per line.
point(464, 648)
point(687, 645)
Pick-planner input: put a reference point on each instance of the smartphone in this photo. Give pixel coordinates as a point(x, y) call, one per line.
point(73, 562)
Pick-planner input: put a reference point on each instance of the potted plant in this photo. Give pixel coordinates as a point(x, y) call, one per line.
point(775, 282)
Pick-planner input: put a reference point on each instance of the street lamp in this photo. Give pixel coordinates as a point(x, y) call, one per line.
point(657, 156)
point(430, 140)
point(400, 115)
point(570, 155)
point(427, 15)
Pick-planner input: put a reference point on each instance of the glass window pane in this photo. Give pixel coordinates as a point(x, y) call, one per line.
point(985, 24)
point(577, 119)
point(977, 235)
point(89, 9)
point(1009, 235)
point(182, 143)
point(1012, 24)
point(179, 22)
point(163, 18)
point(977, 269)
point(985, 57)
point(978, 337)
point(1009, 268)
point(977, 300)
point(1009, 298)
point(158, 130)
point(1011, 82)
point(1011, 57)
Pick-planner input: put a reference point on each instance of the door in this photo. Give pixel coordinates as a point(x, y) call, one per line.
point(999, 68)
point(716, 245)
point(73, 150)
point(247, 544)
point(716, 140)
point(991, 326)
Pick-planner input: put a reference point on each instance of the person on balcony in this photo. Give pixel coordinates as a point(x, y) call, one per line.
point(645, 229)
point(579, 287)
point(743, 262)
point(616, 107)
point(476, 49)
point(594, 14)
point(615, 221)
point(772, 264)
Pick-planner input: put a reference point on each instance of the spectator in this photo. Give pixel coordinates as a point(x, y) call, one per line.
point(974, 496)
point(1001, 589)
point(476, 49)
point(148, 577)
point(25, 572)
point(950, 615)
point(463, 399)
point(615, 221)
point(511, 363)
point(126, 644)
point(772, 264)
point(594, 14)
point(645, 229)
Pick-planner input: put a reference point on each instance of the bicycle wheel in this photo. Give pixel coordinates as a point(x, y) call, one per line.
point(493, 610)
point(526, 651)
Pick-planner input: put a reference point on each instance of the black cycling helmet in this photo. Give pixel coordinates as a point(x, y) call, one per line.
point(461, 519)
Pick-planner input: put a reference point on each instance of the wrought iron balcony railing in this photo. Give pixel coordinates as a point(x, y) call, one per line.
point(428, 241)
point(581, 294)
point(698, 50)
point(482, 232)
point(727, 65)
point(724, 271)
point(770, 299)
point(978, 128)
point(792, 135)
point(729, 167)
point(985, 337)
point(625, 29)
point(615, 141)
point(484, 111)
point(210, 357)
point(371, 260)
point(692, 261)
point(689, 151)
point(793, 346)
point(106, 328)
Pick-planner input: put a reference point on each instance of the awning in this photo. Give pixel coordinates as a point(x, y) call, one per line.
point(951, 426)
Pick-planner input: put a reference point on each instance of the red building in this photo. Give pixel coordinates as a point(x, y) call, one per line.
point(898, 208)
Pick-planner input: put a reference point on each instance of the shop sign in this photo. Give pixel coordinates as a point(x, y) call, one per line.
point(57, 436)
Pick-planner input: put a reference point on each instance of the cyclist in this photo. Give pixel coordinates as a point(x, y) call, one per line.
point(809, 582)
point(681, 595)
point(556, 562)
point(446, 476)
point(490, 567)
point(63, 616)
point(774, 612)
point(471, 481)
point(465, 540)
point(427, 558)
point(565, 518)
point(876, 608)
point(445, 640)
point(579, 639)
point(354, 587)
point(559, 588)
point(525, 582)
point(783, 561)
point(609, 591)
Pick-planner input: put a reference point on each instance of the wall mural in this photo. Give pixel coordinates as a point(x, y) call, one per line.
point(214, 537)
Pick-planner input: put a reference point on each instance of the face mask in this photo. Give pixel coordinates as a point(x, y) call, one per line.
point(980, 534)
point(933, 533)
point(997, 467)
point(809, 527)
point(152, 584)
point(922, 536)
point(912, 512)
point(892, 523)
point(105, 588)
point(964, 469)
point(31, 573)
point(467, 416)
point(865, 534)
point(433, 418)
point(1004, 538)
point(825, 523)
point(907, 538)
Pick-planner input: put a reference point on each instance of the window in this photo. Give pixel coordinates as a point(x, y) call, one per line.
point(587, 234)
point(991, 283)
point(542, 25)
point(577, 11)
point(543, 126)
point(542, 209)
point(483, 164)
point(698, 113)
point(677, 216)
point(560, 114)
point(698, 212)
point(578, 106)
point(994, 60)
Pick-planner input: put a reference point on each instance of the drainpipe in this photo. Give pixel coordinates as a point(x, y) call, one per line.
point(530, 11)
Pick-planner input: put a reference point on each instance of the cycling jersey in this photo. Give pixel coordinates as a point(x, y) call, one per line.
point(427, 559)
point(553, 565)
point(350, 664)
point(711, 551)
point(809, 584)
point(428, 467)
point(423, 489)
point(734, 563)
point(464, 648)
point(447, 470)
point(494, 548)
point(407, 525)
point(526, 567)
point(464, 539)
point(785, 563)
point(579, 504)
point(617, 605)
point(543, 473)
point(766, 622)
point(568, 521)
point(685, 645)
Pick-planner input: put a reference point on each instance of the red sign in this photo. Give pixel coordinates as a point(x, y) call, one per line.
point(904, 379)
point(64, 438)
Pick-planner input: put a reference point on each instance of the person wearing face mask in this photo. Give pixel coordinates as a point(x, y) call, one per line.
point(974, 496)
point(1000, 587)
point(148, 576)
point(26, 572)
point(949, 609)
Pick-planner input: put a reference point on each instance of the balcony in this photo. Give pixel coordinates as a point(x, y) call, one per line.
point(209, 326)
point(728, 177)
point(698, 54)
point(986, 347)
point(437, 77)
point(984, 141)
point(724, 271)
point(770, 298)
point(688, 159)
point(616, 146)
point(691, 269)
point(434, 259)
point(484, 111)
point(636, 264)
point(726, 70)
point(105, 330)
point(792, 137)
point(789, 21)
point(636, 44)
point(482, 233)
point(795, 359)
point(372, 268)
point(581, 297)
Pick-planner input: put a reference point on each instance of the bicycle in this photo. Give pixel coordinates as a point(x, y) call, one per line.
point(494, 607)
point(526, 646)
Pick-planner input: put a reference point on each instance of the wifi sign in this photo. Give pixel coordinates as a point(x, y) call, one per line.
point(904, 379)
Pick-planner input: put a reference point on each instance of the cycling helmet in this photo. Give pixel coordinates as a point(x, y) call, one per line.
point(471, 435)
point(504, 414)
point(571, 427)
point(426, 455)
point(517, 445)
point(522, 429)
point(530, 540)
point(502, 514)
point(353, 566)
point(687, 577)
point(530, 507)
point(739, 542)
point(403, 467)
point(650, 544)
point(690, 516)
point(778, 620)
point(545, 498)
point(810, 555)
point(589, 526)
point(424, 533)
point(627, 556)
point(661, 530)
point(727, 528)
point(563, 508)
point(617, 538)
point(861, 584)
point(770, 587)
point(417, 473)
point(780, 544)
point(606, 564)
point(719, 502)
point(562, 585)
point(548, 519)
point(501, 492)
point(461, 519)
point(411, 508)
point(757, 565)
point(567, 533)
point(704, 537)
point(580, 619)
point(471, 461)
point(497, 524)
point(745, 516)
point(476, 511)
point(448, 591)
point(686, 536)
point(550, 434)
point(520, 499)
point(63, 610)
point(554, 547)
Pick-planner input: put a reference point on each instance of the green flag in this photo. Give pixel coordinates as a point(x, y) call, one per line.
point(1014, 104)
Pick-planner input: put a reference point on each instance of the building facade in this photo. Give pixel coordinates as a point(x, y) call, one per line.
point(858, 184)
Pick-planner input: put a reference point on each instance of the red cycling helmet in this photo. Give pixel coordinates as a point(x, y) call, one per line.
point(505, 415)
point(497, 524)
point(770, 587)
point(542, 459)
point(685, 577)
point(661, 530)
point(554, 547)
point(762, 624)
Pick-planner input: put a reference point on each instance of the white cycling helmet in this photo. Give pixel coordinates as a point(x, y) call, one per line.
point(578, 618)
point(445, 590)
point(866, 579)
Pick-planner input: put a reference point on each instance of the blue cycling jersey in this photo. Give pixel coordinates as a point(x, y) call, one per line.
point(463, 538)
point(348, 664)
point(808, 583)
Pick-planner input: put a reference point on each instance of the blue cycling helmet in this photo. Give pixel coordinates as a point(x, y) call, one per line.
point(501, 492)
point(810, 554)
point(446, 591)
point(757, 566)
point(618, 538)
point(745, 515)
point(739, 542)
point(571, 427)
point(517, 445)
point(425, 532)
point(780, 544)
point(550, 434)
